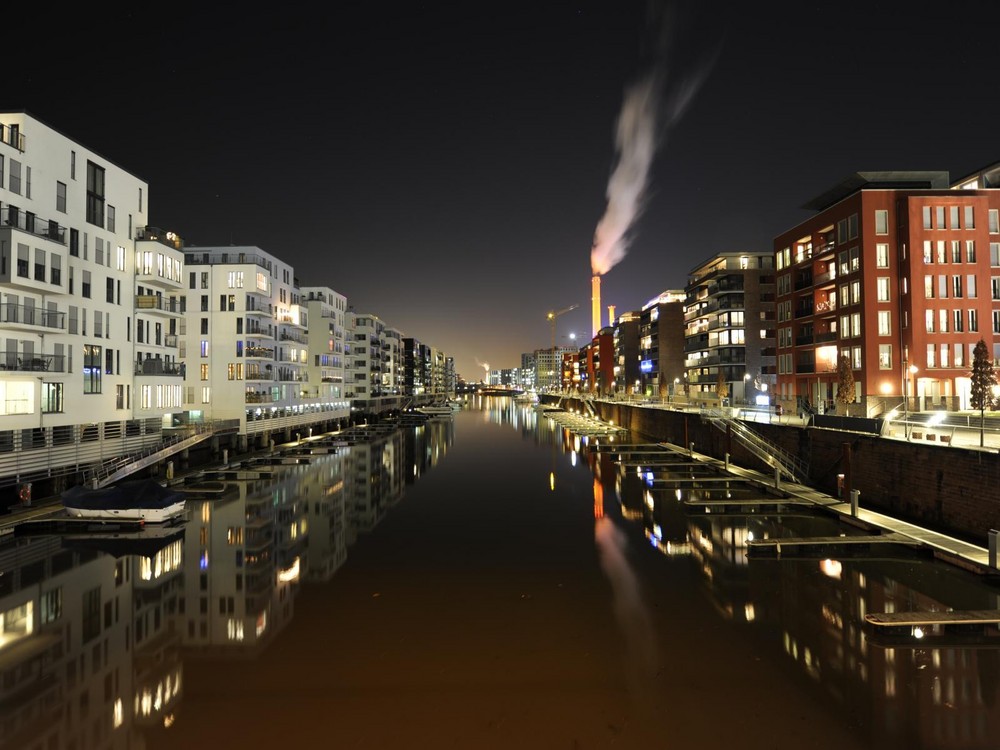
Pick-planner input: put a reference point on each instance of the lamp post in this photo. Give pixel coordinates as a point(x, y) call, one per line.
point(746, 386)
point(908, 371)
point(906, 390)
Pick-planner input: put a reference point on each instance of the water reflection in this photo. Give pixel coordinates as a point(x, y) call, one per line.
point(95, 632)
point(93, 628)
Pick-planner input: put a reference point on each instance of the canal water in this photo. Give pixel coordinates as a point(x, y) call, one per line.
point(486, 581)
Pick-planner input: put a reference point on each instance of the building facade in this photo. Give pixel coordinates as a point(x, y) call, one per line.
point(729, 326)
point(899, 273)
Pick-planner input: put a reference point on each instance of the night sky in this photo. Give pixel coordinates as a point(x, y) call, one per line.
point(446, 166)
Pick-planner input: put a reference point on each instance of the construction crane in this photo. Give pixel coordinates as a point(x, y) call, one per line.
point(552, 315)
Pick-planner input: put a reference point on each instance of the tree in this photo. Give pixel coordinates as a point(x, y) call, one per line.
point(845, 382)
point(721, 387)
point(983, 380)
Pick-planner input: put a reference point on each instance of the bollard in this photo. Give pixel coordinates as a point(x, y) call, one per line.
point(270, 445)
point(993, 547)
point(225, 455)
point(854, 502)
point(777, 478)
point(691, 449)
point(170, 469)
point(727, 462)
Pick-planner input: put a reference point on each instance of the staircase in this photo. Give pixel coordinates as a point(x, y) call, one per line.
point(791, 467)
point(120, 467)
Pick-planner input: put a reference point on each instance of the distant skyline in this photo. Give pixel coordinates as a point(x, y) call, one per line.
point(447, 168)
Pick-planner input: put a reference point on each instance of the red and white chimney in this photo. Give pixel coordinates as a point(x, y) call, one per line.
point(595, 302)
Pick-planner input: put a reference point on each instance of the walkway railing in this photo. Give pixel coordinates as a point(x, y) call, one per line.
point(120, 467)
point(791, 466)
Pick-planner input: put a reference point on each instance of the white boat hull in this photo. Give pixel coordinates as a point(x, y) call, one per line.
point(149, 515)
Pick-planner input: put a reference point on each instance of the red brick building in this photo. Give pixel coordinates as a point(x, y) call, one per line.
point(900, 272)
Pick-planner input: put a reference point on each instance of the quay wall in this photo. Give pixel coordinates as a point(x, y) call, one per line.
point(949, 489)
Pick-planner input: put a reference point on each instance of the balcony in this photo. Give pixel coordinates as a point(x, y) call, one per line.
point(12, 136)
point(257, 332)
point(155, 303)
point(27, 221)
point(258, 352)
point(31, 318)
point(168, 341)
point(824, 278)
point(826, 306)
point(258, 397)
point(154, 234)
point(13, 362)
point(156, 367)
point(803, 312)
point(294, 336)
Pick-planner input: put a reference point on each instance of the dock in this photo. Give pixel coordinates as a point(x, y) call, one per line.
point(860, 545)
point(949, 628)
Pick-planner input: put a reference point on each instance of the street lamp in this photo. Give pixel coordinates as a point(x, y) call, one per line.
point(746, 385)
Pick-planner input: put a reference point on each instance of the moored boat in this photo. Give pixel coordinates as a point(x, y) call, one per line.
point(136, 500)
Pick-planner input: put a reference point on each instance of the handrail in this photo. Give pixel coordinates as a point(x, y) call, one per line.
point(109, 471)
point(789, 465)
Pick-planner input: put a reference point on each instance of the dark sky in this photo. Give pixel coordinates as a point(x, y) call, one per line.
point(445, 166)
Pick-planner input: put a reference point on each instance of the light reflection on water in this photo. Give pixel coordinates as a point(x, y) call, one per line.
point(499, 556)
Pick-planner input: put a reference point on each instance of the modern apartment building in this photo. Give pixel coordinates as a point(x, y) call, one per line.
point(246, 346)
point(74, 300)
point(597, 363)
point(326, 340)
point(626, 345)
point(729, 333)
point(115, 335)
point(900, 273)
point(548, 366)
point(661, 344)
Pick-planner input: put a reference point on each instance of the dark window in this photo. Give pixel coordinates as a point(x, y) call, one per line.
point(95, 194)
point(91, 615)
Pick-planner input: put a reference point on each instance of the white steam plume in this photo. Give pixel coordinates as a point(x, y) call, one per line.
point(641, 127)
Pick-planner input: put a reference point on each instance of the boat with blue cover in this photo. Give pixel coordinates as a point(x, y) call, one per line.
point(138, 500)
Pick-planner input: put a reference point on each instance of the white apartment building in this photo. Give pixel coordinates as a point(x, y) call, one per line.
point(72, 300)
point(374, 366)
point(246, 344)
point(112, 331)
point(327, 338)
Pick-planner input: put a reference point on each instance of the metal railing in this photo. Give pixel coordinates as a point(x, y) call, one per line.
point(110, 471)
point(789, 465)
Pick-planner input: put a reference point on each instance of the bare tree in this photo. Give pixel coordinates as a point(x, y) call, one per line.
point(845, 384)
point(983, 380)
point(721, 387)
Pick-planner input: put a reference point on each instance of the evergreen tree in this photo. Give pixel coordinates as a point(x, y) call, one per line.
point(845, 382)
point(983, 380)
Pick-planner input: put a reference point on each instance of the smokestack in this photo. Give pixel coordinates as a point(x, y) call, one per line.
point(595, 301)
point(611, 315)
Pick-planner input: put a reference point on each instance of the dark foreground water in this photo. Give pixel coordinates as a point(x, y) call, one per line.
point(486, 582)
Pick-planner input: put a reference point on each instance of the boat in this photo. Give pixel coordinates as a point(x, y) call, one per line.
point(135, 500)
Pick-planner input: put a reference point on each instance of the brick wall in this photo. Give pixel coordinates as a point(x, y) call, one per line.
point(948, 489)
